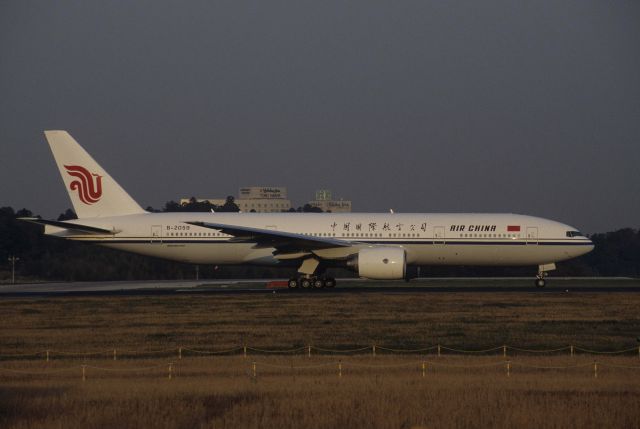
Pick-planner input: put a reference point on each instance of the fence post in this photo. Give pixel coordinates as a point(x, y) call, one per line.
point(508, 368)
point(504, 351)
point(179, 352)
point(245, 351)
point(373, 348)
point(84, 372)
point(309, 350)
point(339, 368)
point(571, 350)
point(438, 350)
point(170, 371)
point(254, 369)
point(595, 369)
point(424, 368)
point(115, 356)
point(47, 355)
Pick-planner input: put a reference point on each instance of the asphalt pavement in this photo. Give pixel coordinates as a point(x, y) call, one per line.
point(245, 286)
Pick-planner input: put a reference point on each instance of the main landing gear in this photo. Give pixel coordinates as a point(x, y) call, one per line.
point(311, 282)
point(309, 276)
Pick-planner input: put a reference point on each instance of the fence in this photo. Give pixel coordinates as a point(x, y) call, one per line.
point(309, 350)
point(84, 369)
point(420, 368)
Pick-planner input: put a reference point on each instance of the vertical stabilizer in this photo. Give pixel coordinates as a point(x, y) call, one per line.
point(92, 190)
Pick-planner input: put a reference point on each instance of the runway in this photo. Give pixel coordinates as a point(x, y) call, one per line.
point(348, 286)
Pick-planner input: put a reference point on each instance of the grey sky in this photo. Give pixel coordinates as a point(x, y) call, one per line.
point(526, 107)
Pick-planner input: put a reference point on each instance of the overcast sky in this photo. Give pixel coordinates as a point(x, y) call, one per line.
point(419, 106)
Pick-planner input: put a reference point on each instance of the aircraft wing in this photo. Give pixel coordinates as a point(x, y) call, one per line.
point(67, 225)
point(282, 241)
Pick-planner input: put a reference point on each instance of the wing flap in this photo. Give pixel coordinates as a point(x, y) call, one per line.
point(284, 242)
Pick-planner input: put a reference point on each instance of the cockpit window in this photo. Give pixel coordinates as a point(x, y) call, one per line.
point(574, 234)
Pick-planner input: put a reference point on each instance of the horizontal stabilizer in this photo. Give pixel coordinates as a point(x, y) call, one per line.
point(67, 225)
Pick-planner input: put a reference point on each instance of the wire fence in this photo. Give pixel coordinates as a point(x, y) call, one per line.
point(83, 370)
point(374, 350)
point(339, 368)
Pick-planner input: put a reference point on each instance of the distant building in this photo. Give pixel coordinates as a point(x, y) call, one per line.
point(262, 199)
point(269, 199)
point(262, 192)
point(324, 200)
point(273, 199)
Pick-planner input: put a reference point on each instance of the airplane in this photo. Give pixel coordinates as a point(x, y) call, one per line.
point(374, 245)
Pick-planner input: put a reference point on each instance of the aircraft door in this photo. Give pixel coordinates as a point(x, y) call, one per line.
point(532, 235)
point(438, 235)
point(156, 234)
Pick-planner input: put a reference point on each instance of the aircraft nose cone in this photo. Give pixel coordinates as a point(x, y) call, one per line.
point(588, 247)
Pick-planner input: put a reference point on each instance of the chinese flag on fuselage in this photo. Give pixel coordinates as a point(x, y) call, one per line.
point(513, 228)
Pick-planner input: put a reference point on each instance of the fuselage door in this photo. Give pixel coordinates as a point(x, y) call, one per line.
point(438, 235)
point(532, 235)
point(156, 234)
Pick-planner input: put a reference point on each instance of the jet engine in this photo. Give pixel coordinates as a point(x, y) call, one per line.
point(380, 263)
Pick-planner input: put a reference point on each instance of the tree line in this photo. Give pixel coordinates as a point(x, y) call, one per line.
point(229, 206)
point(45, 258)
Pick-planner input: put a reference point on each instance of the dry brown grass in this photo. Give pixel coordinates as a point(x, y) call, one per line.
point(462, 320)
point(387, 391)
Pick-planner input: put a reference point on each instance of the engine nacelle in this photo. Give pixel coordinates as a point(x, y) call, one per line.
point(380, 263)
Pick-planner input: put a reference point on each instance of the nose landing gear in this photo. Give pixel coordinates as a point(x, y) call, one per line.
point(540, 281)
point(543, 273)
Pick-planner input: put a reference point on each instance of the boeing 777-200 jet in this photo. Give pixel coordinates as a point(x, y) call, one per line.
point(375, 245)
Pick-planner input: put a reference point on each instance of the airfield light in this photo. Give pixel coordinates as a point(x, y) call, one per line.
point(13, 260)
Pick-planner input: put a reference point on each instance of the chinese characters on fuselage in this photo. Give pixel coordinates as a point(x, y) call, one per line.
point(377, 226)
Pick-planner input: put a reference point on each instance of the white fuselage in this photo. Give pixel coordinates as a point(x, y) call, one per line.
point(428, 239)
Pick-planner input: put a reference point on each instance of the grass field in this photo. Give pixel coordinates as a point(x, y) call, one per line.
point(388, 390)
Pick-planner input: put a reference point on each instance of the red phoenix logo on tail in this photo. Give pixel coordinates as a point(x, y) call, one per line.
point(89, 190)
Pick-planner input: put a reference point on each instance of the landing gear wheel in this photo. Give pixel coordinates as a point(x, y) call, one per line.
point(330, 282)
point(293, 284)
point(540, 282)
point(318, 283)
point(305, 283)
